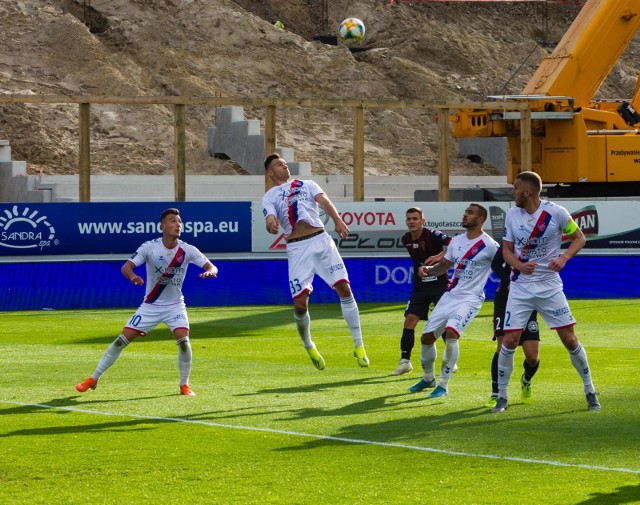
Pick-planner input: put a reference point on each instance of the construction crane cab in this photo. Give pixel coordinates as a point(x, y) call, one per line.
point(587, 147)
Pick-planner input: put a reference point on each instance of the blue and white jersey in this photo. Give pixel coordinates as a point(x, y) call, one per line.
point(166, 269)
point(471, 264)
point(537, 237)
point(293, 201)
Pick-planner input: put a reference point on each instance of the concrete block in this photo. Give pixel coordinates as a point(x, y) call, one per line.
point(5, 151)
point(455, 195)
point(492, 150)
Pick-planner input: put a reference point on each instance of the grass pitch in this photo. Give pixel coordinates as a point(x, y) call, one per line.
point(267, 427)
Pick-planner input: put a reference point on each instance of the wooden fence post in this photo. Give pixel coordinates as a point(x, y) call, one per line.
point(358, 154)
point(180, 178)
point(525, 140)
point(269, 138)
point(443, 155)
point(84, 182)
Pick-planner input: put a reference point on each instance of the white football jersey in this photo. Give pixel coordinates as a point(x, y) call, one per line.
point(291, 202)
point(536, 237)
point(471, 264)
point(166, 269)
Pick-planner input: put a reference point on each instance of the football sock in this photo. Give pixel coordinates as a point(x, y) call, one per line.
point(407, 342)
point(110, 356)
point(505, 369)
point(352, 317)
point(529, 371)
point(581, 364)
point(428, 355)
point(184, 359)
point(452, 351)
point(303, 324)
point(494, 373)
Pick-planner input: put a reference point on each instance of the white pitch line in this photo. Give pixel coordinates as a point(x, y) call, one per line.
point(332, 438)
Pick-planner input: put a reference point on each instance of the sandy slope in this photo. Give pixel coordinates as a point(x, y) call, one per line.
point(435, 51)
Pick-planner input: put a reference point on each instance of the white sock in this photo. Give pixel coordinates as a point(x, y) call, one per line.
point(428, 355)
point(110, 356)
point(452, 352)
point(303, 325)
point(505, 369)
point(352, 317)
point(185, 357)
point(581, 364)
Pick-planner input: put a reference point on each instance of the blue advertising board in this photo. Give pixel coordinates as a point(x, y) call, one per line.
point(118, 228)
point(99, 284)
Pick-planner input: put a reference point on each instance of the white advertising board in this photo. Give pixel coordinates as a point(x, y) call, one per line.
point(376, 227)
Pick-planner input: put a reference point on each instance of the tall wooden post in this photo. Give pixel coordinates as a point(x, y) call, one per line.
point(269, 138)
point(358, 154)
point(180, 178)
point(443, 155)
point(525, 140)
point(84, 182)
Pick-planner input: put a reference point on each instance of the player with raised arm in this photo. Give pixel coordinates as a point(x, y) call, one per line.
point(293, 204)
point(470, 255)
point(531, 245)
point(167, 259)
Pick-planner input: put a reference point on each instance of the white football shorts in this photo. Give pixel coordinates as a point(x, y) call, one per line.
point(545, 296)
point(148, 316)
point(453, 312)
point(316, 255)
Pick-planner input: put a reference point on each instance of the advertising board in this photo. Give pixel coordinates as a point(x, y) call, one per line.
point(118, 228)
point(376, 227)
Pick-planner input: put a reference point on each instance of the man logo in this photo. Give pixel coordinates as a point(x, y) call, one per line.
point(25, 229)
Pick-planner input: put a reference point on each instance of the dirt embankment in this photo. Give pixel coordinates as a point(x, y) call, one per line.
point(434, 51)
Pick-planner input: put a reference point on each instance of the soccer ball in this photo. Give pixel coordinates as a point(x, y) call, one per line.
point(351, 31)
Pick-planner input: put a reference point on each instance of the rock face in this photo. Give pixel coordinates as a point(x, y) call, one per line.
point(414, 50)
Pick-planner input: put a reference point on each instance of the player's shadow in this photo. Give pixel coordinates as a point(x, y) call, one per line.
point(243, 324)
point(368, 406)
point(621, 496)
point(402, 430)
point(320, 386)
point(68, 404)
point(96, 427)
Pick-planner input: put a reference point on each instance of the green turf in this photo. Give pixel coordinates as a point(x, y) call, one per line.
point(267, 427)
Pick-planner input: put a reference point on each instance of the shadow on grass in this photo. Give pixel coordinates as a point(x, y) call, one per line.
point(319, 386)
point(75, 401)
point(243, 323)
point(622, 495)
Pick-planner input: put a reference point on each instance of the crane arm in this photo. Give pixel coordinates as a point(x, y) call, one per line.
point(588, 51)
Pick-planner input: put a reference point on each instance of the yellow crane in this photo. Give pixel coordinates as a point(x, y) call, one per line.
point(585, 145)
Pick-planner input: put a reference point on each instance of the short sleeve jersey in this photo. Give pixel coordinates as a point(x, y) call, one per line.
point(536, 237)
point(429, 243)
point(291, 202)
point(166, 269)
point(471, 264)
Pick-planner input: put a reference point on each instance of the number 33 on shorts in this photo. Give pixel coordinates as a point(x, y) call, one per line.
point(295, 286)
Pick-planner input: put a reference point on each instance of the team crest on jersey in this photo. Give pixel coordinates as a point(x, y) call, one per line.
point(474, 250)
point(179, 257)
point(542, 227)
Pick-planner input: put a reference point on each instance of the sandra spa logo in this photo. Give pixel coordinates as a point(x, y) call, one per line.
point(24, 228)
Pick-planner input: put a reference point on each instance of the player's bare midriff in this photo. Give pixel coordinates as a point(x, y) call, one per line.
point(302, 229)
